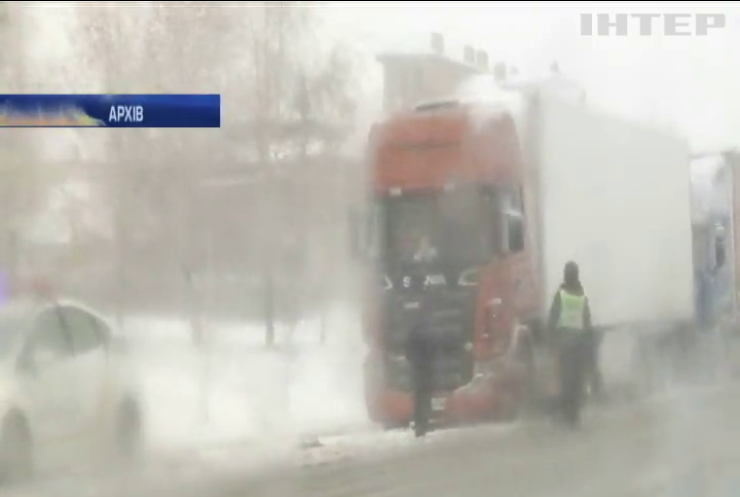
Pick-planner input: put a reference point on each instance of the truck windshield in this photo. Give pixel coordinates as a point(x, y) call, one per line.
point(459, 225)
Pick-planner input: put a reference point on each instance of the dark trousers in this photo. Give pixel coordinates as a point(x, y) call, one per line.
point(422, 405)
point(575, 357)
point(594, 378)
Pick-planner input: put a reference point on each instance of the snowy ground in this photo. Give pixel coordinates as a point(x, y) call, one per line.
point(238, 391)
point(682, 444)
point(260, 404)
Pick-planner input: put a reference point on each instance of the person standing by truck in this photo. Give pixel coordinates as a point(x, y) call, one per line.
point(570, 327)
point(420, 353)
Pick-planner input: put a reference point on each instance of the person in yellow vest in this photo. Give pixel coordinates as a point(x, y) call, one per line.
point(572, 333)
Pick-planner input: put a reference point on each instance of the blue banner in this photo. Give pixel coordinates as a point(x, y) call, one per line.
point(111, 111)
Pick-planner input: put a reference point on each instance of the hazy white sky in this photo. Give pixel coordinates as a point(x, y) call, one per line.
point(689, 83)
point(685, 82)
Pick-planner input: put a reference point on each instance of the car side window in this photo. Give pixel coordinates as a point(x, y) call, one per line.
point(79, 323)
point(49, 337)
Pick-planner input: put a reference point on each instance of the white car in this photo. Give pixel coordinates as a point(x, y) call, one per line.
point(66, 390)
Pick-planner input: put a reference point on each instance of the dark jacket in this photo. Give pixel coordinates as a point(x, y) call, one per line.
point(421, 350)
point(555, 307)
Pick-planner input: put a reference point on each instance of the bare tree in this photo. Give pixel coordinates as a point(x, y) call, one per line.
point(286, 102)
point(325, 106)
point(24, 181)
point(301, 106)
point(154, 49)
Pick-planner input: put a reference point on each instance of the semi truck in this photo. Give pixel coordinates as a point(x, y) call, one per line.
point(476, 203)
point(716, 189)
point(712, 222)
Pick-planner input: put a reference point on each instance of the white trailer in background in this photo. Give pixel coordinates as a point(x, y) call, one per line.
point(716, 194)
point(715, 188)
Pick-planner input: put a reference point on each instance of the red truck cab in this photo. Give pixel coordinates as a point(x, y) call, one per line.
point(448, 238)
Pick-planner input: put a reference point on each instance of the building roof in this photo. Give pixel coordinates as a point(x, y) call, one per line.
point(419, 46)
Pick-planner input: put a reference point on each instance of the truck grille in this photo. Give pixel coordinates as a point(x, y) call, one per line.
point(451, 321)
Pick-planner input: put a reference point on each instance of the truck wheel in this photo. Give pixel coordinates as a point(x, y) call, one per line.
point(526, 387)
point(16, 451)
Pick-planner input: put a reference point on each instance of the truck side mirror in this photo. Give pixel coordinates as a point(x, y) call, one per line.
point(492, 214)
point(515, 228)
point(363, 233)
point(355, 232)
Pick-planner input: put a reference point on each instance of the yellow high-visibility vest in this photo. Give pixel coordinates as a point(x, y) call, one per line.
point(571, 311)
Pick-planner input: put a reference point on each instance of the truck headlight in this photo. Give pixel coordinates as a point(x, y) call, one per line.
point(469, 277)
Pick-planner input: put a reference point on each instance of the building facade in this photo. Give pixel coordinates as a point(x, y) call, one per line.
point(413, 78)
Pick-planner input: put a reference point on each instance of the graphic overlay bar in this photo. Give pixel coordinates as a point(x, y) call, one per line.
point(110, 111)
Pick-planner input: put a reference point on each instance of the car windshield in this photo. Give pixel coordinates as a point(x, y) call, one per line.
point(457, 225)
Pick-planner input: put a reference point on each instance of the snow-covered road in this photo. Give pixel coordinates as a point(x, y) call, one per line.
point(683, 444)
point(245, 433)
